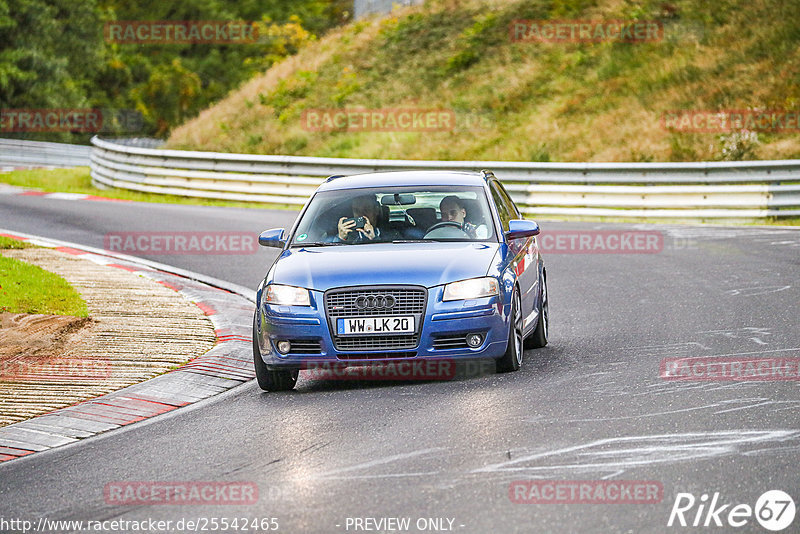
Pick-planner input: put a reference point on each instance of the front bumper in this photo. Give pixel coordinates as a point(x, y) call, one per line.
point(442, 334)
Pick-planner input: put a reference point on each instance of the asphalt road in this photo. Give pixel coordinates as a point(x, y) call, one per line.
point(590, 406)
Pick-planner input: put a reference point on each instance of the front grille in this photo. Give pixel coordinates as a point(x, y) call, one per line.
point(450, 342)
point(376, 355)
point(305, 346)
point(408, 300)
point(341, 302)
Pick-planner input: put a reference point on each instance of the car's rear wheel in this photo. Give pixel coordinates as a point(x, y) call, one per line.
point(268, 380)
point(538, 337)
point(512, 359)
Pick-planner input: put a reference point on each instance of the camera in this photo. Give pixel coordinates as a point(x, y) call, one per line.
point(360, 221)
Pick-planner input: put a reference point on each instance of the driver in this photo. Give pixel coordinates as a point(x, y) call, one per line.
point(453, 209)
point(375, 228)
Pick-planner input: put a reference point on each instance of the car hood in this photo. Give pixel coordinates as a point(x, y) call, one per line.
point(425, 264)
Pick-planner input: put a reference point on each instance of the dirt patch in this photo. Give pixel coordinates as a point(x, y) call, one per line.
point(33, 345)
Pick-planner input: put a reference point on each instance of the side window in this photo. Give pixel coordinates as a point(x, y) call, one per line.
point(512, 208)
point(502, 206)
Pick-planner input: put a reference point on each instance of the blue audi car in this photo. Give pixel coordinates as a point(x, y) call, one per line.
point(400, 266)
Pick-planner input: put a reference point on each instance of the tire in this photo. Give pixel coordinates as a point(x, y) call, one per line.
point(271, 380)
point(538, 338)
point(512, 359)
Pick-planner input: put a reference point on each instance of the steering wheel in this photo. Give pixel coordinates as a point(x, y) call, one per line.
point(444, 224)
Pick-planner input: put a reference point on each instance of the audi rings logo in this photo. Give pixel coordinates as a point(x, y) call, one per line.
point(375, 302)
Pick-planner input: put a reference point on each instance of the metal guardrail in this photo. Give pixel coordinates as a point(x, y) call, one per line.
point(729, 190)
point(20, 153)
point(362, 8)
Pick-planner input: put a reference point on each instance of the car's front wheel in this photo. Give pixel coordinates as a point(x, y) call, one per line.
point(268, 380)
point(512, 359)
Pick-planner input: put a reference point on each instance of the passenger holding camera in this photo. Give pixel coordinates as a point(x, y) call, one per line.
point(366, 224)
point(351, 228)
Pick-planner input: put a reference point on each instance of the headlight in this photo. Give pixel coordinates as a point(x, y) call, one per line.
point(287, 295)
point(471, 289)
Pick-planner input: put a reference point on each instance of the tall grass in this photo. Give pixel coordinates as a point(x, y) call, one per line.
point(525, 101)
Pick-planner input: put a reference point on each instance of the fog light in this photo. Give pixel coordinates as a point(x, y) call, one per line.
point(284, 346)
point(474, 340)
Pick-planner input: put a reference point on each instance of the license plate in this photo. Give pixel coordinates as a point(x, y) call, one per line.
point(375, 325)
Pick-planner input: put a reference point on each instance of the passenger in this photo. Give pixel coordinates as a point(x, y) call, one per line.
point(375, 228)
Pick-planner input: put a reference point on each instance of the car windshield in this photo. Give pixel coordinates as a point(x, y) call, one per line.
point(396, 214)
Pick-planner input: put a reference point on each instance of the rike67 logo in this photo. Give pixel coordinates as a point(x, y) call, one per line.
point(774, 510)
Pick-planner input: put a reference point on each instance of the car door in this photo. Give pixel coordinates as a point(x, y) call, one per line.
point(523, 251)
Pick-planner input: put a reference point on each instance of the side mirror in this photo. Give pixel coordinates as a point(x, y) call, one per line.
point(518, 228)
point(272, 238)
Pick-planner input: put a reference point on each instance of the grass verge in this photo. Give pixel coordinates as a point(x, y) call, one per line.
point(8, 243)
point(26, 288)
point(78, 180)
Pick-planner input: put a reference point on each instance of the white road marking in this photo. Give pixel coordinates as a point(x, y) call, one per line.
point(755, 291)
point(669, 348)
point(67, 196)
point(379, 461)
point(615, 454)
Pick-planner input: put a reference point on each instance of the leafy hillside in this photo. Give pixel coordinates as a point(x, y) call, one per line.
point(526, 101)
point(54, 55)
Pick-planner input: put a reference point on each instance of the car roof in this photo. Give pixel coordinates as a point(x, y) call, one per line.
point(402, 178)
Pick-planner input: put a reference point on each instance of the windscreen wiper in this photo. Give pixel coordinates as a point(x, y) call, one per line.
point(323, 244)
